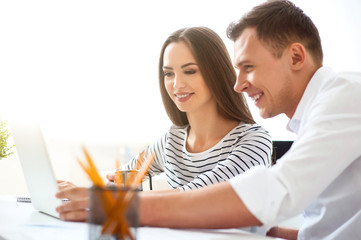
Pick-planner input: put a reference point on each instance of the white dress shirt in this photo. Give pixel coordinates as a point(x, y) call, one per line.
point(322, 171)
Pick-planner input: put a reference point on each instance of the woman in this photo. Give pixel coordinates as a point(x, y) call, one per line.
point(214, 136)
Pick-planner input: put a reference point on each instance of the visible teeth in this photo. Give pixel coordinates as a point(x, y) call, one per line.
point(182, 95)
point(256, 97)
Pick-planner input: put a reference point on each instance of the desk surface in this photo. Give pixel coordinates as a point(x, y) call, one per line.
point(22, 221)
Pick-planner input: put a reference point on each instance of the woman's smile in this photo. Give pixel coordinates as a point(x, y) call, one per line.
point(183, 97)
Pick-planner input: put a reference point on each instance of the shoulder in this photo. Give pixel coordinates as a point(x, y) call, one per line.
point(339, 89)
point(177, 131)
point(349, 77)
point(244, 129)
point(253, 134)
point(333, 82)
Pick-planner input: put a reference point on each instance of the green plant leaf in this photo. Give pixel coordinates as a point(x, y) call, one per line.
point(5, 149)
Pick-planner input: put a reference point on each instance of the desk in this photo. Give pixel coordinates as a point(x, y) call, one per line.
point(19, 221)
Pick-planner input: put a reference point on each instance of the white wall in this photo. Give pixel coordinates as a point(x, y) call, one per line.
point(88, 69)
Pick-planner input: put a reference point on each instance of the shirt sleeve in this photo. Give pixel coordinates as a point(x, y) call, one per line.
point(156, 148)
point(252, 149)
point(328, 142)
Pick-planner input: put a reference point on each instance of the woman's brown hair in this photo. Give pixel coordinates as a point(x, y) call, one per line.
point(217, 70)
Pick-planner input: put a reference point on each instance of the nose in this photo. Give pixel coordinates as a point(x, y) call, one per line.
point(178, 82)
point(241, 85)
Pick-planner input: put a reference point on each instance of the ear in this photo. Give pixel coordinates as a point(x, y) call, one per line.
point(297, 55)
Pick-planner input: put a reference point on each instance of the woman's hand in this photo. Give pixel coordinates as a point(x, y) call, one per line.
point(64, 184)
point(111, 177)
point(76, 209)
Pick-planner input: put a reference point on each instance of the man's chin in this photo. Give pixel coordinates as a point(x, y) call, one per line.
point(266, 114)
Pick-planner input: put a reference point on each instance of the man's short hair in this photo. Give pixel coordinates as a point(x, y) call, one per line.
point(278, 24)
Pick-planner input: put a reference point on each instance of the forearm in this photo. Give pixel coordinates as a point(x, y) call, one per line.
point(217, 206)
point(286, 233)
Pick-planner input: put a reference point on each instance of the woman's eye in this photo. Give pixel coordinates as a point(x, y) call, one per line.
point(168, 74)
point(190, 71)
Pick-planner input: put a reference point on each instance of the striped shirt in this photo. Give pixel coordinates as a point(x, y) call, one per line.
point(245, 146)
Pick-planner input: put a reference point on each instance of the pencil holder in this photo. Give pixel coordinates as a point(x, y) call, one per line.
point(125, 174)
point(113, 213)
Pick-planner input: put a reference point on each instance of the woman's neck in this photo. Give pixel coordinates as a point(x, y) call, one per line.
point(206, 130)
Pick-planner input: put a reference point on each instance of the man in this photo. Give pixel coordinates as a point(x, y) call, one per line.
point(278, 52)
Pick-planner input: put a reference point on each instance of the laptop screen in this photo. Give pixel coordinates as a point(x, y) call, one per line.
point(35, 162)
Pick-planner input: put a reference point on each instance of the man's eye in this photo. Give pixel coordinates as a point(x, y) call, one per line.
point(247, 68)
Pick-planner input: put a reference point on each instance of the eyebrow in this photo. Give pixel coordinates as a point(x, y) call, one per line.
point(188, 64)
point(241, 63)
point(183, 66)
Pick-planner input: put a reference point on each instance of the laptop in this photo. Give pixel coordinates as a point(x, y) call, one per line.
point(35, 162)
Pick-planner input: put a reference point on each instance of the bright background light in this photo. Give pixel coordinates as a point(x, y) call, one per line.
point(88, 69)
